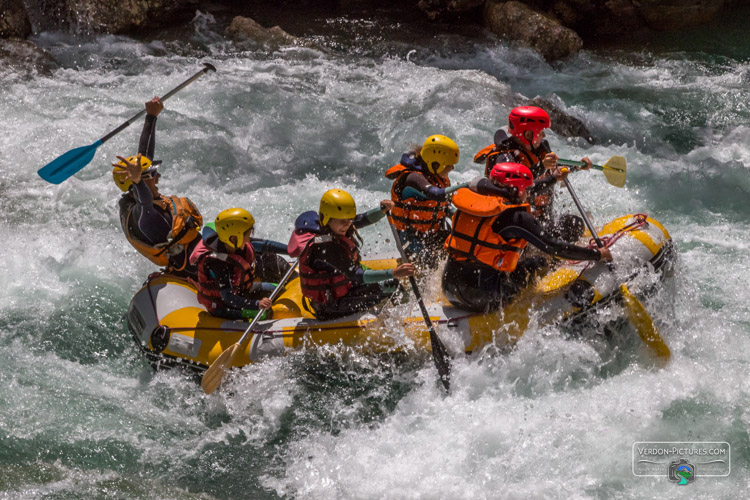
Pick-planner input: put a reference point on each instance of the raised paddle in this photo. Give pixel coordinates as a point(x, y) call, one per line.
point(74, 160)
point(439, 353)
point(215, 374)
point(614, 170)
point(638, 315)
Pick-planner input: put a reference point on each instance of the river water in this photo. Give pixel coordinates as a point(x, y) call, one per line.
point(82, 415)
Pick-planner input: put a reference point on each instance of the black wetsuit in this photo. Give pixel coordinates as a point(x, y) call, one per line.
point(478, 287)
point(149, 223)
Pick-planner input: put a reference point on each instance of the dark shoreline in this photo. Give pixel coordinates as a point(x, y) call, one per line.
point(546, 26)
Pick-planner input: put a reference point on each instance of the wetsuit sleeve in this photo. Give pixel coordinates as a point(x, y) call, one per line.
point(421, 184)
point(222, 273)
point(152, 225)
point(515, 224)
point(367, 218)
point(543, 182)
point(484, 186)
point(147, 143)
point(262, 246)
point(376, 276)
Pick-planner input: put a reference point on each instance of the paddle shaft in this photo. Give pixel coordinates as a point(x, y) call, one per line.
point(439, 353)
point(279, 288)
point(207, 67)
point(586, 219)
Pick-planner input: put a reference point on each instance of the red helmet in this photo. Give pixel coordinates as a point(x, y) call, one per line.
point(513, 174)
point(526, 118)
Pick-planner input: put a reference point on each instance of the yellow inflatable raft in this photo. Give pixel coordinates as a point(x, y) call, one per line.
point(173, 329)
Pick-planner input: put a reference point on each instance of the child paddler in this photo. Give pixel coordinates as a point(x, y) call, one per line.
point(226, 263)
point(420, 194)
point(332, 278)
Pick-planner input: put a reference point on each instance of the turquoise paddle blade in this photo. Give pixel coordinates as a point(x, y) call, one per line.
point(68, 163)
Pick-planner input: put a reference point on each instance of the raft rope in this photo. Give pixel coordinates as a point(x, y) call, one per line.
point(639, 220)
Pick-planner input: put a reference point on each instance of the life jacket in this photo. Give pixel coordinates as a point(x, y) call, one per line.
point(320, 286)
point(186, 224)
point(243, 273)
point(472, 237)
point(531, 159)
point(541, 201)
point(422, 216)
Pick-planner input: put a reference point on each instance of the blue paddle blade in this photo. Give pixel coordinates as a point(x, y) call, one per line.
point(68, 164)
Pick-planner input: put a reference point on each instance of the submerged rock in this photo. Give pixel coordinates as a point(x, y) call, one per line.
point(24, 57)
point(562, 123)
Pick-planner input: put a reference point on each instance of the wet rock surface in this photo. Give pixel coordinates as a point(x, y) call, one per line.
point(14, 21)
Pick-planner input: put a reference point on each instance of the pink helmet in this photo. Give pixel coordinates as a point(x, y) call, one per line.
point(526, 118)
point(513, 174)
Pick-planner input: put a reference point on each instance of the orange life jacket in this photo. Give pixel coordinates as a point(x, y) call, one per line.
point(472, 237)
point(541, 201)
point(419, 215)
point(326, 286)
point(243, 273)
point(186, 224)
point(489, 154)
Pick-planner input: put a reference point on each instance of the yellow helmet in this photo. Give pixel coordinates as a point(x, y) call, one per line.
point(336, 204)
point(233, 222)
point(118, 172)
point(438, 152)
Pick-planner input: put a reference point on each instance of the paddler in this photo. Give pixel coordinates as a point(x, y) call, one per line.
point(225, 259)
point(527, 145)
point(490, 230)
point(331, 274)
point(420, 194)
point(165, 229)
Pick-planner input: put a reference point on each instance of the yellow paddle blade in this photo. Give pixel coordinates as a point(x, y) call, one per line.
point(215, 374)
point(615, 171)
point(645, 327)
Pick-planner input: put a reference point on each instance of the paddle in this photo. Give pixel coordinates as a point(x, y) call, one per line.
point(439, 353)
point(215, 374)
point(614, 170)
point(74, 160)
point(638, 315)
